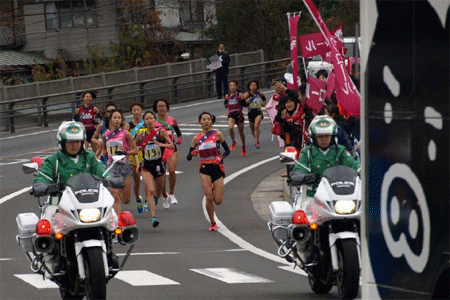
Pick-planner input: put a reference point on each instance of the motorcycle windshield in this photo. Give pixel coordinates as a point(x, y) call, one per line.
point(342, 179)
point(85, 187)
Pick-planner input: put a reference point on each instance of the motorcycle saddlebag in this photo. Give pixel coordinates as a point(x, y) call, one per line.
point(281, 214)
point(26, 226)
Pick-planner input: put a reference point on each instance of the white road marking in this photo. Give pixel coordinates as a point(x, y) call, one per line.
point(15, 194)
point(296, 270)
point(231, 276)
point(222, 229)
point(143, 278)
point(15, 162)
point(37, 281)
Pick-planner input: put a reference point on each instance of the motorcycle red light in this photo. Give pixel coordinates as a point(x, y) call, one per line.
point(299, 217)
point(291, 149)
point(43, 227)
point(37, 160)
point(126, 219)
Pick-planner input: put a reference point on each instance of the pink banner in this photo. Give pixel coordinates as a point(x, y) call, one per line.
point(293, 22)
point(346, 93)
point(316, 91)
point(331, 84)
point(315, 43)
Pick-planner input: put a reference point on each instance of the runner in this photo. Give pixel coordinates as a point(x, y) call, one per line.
point(170, 158)
point(101, 129)
point(206, 145)
point(119, 141)
point(87, 114)
point(137, 125)
point(255, 100)
point(234, 102)
point(153, 143)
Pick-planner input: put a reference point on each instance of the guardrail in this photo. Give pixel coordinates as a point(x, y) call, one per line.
point(177, 88)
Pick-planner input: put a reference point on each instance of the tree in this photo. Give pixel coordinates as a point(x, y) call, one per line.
point(248, 25)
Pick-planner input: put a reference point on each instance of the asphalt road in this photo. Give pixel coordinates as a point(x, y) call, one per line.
point(180, 259)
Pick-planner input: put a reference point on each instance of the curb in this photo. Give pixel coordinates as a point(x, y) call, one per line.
point(272, 188)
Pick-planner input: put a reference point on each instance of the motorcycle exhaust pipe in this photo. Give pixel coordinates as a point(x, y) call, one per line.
point(130, 235)
point(43, 244)
point(299, 233)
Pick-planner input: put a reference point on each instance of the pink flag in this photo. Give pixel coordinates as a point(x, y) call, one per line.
point(331, 84)
point(293, 22)
point(346, 93)
point(316, 91)
point(315, 44)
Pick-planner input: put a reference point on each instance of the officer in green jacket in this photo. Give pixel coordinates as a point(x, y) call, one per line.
point(72, 158)
point(324, 152)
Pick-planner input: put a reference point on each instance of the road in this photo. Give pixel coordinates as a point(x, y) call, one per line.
point(180, 259)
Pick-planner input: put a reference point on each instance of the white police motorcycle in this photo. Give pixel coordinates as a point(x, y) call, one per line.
point(322, 238)
point(71, 243)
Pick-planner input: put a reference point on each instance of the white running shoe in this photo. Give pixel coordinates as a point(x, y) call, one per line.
point(166, 202)
point(173, 200)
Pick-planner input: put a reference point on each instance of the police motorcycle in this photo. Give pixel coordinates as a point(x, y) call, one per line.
point(71, 243)
point(322, 237)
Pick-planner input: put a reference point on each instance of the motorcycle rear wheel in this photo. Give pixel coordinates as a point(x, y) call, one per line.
point(95, 270)
point(347, 276)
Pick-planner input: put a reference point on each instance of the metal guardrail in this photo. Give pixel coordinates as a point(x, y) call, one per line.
point(40, 106)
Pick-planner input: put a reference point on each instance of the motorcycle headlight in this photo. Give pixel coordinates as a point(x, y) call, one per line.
point(89, 215)
point(345, 207)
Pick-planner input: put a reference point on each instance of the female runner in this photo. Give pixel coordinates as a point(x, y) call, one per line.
point(101, 129)
point(170, 158)
point(152, 143)
point(206, 145)
point(135, 126)
point(255, 100)
point(234, 102)
point(117, 141)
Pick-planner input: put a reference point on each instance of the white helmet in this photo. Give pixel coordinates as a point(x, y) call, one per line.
point(322, 125)
point(70, 131)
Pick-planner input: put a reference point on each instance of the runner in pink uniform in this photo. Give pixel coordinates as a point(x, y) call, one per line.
point(170, 158)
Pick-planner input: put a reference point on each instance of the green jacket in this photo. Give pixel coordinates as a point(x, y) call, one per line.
point(60, 167)
point(318, 162)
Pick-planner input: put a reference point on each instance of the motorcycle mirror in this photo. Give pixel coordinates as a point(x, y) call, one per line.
point(30, 168)
point(115, 159)
point(287, 157)
point(118, 157)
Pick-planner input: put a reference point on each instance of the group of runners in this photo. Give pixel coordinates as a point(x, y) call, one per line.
point(148, 141)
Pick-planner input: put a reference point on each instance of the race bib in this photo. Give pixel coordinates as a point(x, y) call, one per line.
point(152, 152)
point(113, 146)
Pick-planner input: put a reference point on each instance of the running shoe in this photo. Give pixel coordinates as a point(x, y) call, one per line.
point(212, 227)
point(166, 202)
point(173, 200)
point(156, 199)
point(155, 222)
point(244, 151)
point(139, 207)
point(146, 207)
point(256, 145)
point(233, 145)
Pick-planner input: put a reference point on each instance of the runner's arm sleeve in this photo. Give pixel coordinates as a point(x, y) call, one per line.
point(225, 147)
point(177, 131)
point(189, 156)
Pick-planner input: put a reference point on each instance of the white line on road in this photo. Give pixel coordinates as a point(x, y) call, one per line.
point(37, 281)
point(230, 275)
point(221, 228)
point(143, 278)
point(15, 194)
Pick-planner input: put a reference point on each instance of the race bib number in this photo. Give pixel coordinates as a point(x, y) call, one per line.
point(114, 146)
point(152, 152)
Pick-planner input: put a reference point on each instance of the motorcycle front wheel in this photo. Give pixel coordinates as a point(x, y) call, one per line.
point(347, 276)
point(95, 273)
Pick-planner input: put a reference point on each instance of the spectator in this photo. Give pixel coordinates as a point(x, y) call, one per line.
point(222, 72)
point(342, 136)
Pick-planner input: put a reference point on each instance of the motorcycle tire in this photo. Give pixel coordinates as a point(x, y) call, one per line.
point(95, 270)
point(347, 276)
